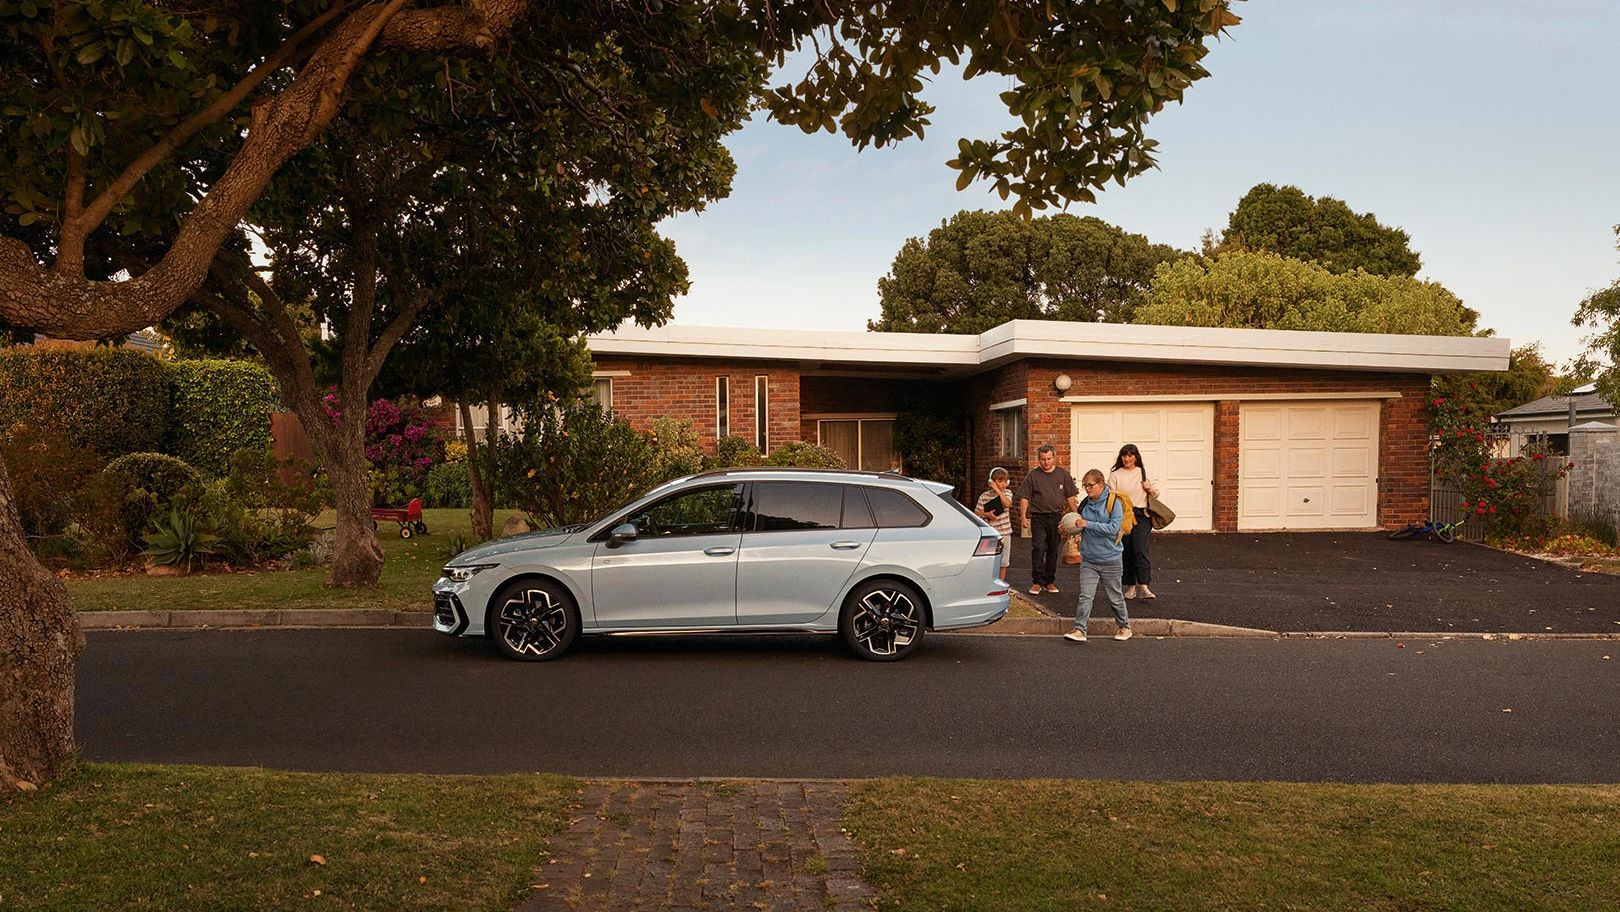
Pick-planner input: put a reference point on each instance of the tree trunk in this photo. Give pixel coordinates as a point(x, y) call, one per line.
point(480, 475)
point(357, 556)
point(40, 641)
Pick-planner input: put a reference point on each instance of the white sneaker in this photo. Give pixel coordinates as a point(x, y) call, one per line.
point(1075, 636)
point(1130, 592)
point(1123, 634)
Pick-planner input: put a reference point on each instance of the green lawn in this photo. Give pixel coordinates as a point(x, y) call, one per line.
point(186, 838)
point(409, 569)
point(1184, 847)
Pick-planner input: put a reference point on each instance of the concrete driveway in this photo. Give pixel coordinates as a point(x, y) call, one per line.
point(1347, 581)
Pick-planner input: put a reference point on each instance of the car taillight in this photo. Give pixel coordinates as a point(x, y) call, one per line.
point(988, 545)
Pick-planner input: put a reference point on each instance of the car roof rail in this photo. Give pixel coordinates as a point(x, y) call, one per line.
point(886, 473)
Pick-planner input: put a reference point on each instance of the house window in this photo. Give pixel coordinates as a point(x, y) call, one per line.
point(762, 413)
point(1010, 431)
point(602, 393)
point(722, 407)
point(863, 443)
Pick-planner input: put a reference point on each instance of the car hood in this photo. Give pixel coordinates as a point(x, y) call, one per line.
point(528, 541)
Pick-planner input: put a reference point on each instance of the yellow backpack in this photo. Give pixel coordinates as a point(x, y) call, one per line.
point(1129, 522)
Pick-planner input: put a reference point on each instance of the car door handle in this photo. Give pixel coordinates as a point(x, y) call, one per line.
point(846, 546)
point(719, 552)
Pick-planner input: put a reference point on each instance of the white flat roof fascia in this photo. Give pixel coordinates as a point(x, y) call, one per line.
point(931, 349)
point(1068, 340)
point(1260, 347)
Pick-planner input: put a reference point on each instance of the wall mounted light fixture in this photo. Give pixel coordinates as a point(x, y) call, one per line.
point(1062, 382)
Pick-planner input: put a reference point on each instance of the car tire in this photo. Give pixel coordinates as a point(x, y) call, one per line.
point(883, 620)
point(533, 620)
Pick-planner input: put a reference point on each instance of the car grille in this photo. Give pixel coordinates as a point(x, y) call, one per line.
point(446, 609)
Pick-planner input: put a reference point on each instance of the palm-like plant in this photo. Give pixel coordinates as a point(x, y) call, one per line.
point(182, 539)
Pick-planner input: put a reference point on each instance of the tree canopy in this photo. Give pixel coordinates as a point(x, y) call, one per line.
point(980, 269)
point(1600, 313)
point(140, 133)
point(1321, 230)
point(1266, 291)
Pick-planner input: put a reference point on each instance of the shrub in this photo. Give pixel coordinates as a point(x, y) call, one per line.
point(804, 455)
point(929, 437)
point(401, 445)
point(1501, 494)
point(572, 463)
point(217, 408)
point(448, 484)
point(182, 538)
point(265, 509)
point(47, 471)
point(733, 451)
point(110, 401)
point(675, 449)
point(144, 483)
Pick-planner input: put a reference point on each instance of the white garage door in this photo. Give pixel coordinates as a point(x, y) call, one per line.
point(1308, 465)
point(1177, 444)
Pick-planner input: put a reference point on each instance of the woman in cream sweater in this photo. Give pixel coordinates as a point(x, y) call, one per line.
point(1129, 477)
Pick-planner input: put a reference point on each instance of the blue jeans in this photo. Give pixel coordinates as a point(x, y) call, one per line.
point(1107, 576)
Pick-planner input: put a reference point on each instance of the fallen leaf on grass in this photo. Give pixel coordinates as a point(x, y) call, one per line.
point(317, 859)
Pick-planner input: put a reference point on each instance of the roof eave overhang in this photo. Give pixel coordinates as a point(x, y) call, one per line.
point(943, 355)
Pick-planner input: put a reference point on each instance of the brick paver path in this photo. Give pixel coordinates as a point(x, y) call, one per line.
point(704, 845)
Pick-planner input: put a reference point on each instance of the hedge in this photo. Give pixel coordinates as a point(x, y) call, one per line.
point(217, 408)
point(114, 401)
point(110, 401)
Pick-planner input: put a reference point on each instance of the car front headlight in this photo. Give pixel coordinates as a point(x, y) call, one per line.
point(463, 574)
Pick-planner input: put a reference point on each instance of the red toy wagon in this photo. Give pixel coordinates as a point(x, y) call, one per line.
point(409, 519)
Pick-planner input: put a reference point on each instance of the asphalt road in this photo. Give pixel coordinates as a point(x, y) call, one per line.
point(1304, 710)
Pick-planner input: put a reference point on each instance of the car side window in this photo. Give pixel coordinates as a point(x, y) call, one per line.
point(894, 510)
point(779, 506)
point(856, 513)
point(705, 511)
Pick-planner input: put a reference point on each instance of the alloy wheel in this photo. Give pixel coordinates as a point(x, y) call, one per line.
point(885, 621)
point(532, 623)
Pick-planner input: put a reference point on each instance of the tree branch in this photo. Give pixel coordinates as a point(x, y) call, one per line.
point(121, 186)
point(396, 329)
point(70, 307)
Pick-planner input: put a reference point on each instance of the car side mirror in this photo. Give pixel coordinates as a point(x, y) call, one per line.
point(624, 532)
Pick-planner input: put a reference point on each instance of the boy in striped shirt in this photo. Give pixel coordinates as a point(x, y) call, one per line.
point(995, 507)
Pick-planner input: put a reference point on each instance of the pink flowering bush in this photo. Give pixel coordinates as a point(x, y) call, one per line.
point(401, 445)
point(1503, 495)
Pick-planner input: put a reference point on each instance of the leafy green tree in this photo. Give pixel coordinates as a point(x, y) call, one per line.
point(1322, 230)
point(1600, 313)
point(137, 135)
point(1266, 291)
point(1481, 394)
point(980, 269)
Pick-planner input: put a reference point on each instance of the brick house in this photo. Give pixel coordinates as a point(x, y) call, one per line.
point(1243, 429)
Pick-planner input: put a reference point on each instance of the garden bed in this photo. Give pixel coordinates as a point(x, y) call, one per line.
point(409, 568)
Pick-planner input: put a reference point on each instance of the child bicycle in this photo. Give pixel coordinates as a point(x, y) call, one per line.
point(1445, 531)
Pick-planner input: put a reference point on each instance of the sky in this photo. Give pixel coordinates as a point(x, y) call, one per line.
point(1488, 130)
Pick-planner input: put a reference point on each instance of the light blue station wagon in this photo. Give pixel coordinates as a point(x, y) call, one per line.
point(878, 558)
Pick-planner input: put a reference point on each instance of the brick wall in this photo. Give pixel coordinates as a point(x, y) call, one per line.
point(654, 388)
point(1594, 482)
point(1403, 470)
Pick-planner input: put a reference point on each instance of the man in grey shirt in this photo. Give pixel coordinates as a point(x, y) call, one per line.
point(1045, 494)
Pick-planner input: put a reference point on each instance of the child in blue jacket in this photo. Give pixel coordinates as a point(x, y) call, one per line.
point(1102, 556)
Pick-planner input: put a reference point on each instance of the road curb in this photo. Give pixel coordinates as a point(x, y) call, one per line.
point(1152, 627)
point(254, 618)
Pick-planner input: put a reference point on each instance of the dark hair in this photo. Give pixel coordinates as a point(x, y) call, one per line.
point(1129, 449)
point(1045, 448)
